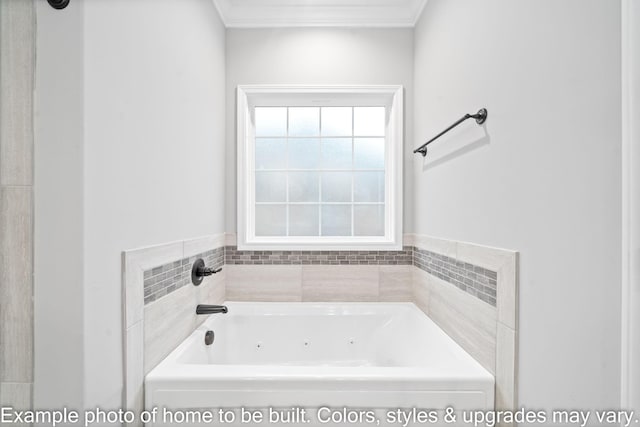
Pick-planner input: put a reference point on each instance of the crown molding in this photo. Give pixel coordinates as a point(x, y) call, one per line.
point(319, 13)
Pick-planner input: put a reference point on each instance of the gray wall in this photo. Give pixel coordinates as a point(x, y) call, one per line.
point(17, 62)
point(59, 195)
point(631, 203)
point(309, 56)
point(544, 180)
point(130, 153)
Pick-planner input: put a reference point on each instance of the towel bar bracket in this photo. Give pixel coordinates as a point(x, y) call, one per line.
point(480, 116)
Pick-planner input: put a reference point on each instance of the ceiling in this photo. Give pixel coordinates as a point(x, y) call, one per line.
point(319, 13)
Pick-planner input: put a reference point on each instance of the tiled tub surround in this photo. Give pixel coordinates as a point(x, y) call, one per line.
point(155, 327)
point(475, 280)
point(487, 332)
point(318, 283)
point(335, 284)
point(472, 279)
point(468, 290)
point(169, 277)
point(233, 256)
point(318, 276)
point(164, 279)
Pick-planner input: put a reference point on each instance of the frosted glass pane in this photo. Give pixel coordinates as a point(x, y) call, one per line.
point(368, 121)
point(271, 121)
point(271, 220)
point(304, 187)
point(368, 220)
point(271, 153)
point(336, 220)
point(337, 121)
point(368, 153)
point(304, 153)
point(368, 187)
point(336, 186)
point(304, 220)
point(336, 153)
point(304, 121)
point(271, 186)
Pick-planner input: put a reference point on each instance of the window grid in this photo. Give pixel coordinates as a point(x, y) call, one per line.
point(286, 181)
point(320, 169)
point(353, 165)
point(320, 182)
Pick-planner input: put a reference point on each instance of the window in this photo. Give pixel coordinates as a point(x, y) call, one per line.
point(319, 167)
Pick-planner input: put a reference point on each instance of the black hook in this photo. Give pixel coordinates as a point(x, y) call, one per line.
point(58, 4)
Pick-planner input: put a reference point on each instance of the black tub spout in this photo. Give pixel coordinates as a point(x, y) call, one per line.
point(211, 309)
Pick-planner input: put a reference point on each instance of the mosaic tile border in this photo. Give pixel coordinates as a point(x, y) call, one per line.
point(472, 279)
point(164, 279)
point(235, 257)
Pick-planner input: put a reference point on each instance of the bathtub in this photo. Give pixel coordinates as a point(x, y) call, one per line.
point(334, 362)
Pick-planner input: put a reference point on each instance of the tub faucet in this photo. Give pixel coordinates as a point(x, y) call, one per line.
point(199, 271)
point(211, 309)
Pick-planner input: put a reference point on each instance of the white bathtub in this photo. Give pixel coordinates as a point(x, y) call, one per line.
point(381, 356)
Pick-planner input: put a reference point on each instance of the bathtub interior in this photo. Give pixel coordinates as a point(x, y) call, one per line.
point(391, 335)
point(308, 355)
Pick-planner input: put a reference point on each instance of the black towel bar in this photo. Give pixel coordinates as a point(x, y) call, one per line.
point(480, 116)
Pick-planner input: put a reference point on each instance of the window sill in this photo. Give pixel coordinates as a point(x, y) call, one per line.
point(365, 244)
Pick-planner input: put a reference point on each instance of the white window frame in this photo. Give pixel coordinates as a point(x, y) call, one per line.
point(251, 96)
